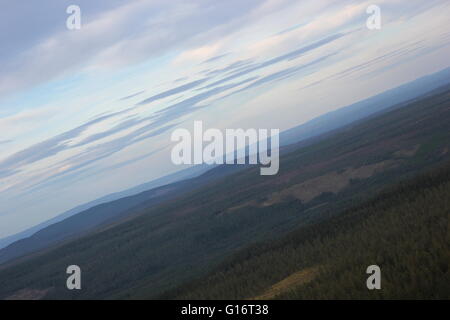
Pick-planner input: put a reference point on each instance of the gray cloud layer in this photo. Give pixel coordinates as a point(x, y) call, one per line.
point(30, 58)
point(53, 146)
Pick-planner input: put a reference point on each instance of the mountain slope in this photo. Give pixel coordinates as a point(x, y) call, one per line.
point(175, 241)
point(178, 176)
point(314, 128)
point(403, 230)
point(101, 215)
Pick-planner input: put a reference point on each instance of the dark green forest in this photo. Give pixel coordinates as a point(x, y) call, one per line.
point(404, 230)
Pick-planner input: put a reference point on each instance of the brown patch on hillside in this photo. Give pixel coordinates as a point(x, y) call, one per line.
point(28, 294)
point(333, 182)
point(409, 152)
point(252, 203)
point(294, 280)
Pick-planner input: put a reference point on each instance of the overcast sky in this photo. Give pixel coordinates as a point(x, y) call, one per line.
point(88, 112)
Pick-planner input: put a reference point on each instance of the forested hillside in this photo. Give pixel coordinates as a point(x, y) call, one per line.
point(403, 230)
point(183, 238)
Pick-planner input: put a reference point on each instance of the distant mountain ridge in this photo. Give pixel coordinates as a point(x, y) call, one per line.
point(359, 110)
point(110, 212)
point(177, 176)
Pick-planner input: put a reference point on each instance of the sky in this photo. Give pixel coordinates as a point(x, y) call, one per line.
point(89, 112)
